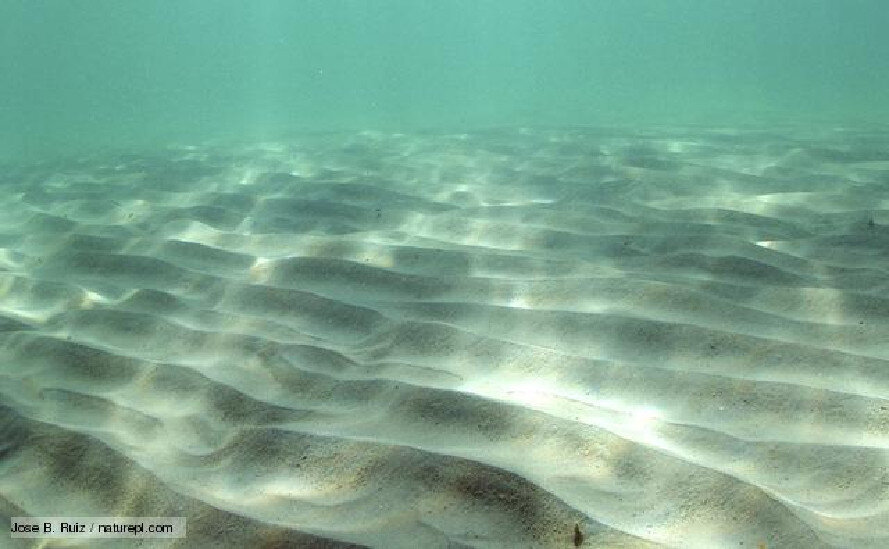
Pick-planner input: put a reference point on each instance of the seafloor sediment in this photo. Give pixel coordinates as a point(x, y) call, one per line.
point(674, 337)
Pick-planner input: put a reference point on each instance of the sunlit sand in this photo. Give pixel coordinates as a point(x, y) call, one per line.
point(671, 338)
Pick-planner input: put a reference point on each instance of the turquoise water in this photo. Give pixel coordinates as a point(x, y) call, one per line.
point(84, 74)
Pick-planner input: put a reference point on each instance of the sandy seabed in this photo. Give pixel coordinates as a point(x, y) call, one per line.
point(619, 338)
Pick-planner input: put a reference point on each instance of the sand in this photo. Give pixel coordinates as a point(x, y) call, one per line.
point(616, 338)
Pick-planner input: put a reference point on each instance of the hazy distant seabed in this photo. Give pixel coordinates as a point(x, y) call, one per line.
point(673, 337)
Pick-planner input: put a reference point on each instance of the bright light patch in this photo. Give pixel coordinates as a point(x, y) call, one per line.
point(7, 260)
point(530, 394)
point(261, 269)
point(90, 298)
point(644, 419)
point(248, 177)
point(198, 233)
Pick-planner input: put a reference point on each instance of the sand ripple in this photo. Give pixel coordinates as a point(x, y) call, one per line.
point(672, 338)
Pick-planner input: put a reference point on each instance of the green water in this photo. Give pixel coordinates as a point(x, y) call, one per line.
point(78, 75)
